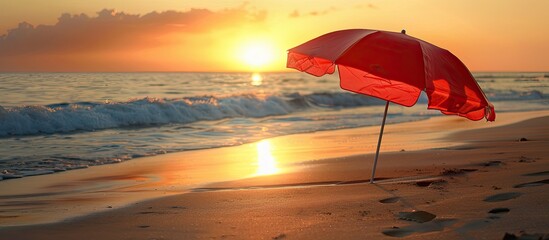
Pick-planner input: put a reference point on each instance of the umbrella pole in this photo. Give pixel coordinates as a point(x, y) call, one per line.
point(379, 142)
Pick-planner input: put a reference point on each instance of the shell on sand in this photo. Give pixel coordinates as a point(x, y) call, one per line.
point(417, 216)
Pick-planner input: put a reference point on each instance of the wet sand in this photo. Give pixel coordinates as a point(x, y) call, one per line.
point(443, 178)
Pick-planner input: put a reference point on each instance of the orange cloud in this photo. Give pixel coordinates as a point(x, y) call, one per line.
point(369, 5)
point(79, 40)
point(297, 14)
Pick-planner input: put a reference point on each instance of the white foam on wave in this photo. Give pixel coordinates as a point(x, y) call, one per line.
point(85, 116)
point(63, 118)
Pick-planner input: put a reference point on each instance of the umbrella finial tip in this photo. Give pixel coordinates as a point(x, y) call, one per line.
point(403, 31)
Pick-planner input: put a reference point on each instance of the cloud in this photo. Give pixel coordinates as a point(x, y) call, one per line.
point(332, 9)
point(294, 14)
point(297, 14)
point(115, 31)
point(369, 5)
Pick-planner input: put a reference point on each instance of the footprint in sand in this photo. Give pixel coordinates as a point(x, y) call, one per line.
point(390, 200)
point(533, 184)
point(494, 214)
point(502, 197)
point(524, 235)
point(147, 212)
point(424, 222)
point(544, 173)
point(437, 183)
point(417, 216)
point(398, 232)
point(432, 226)
point(499, 210)
point(177, 207)
point(492, 163)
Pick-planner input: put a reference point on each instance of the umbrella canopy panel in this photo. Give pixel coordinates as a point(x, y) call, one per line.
point(384, 65)
point(394, 67)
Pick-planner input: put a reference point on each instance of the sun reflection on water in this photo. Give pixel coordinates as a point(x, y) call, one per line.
point(257, 79)
point(266, 163)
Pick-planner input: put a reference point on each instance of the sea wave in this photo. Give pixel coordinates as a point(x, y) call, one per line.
point(511, 75)
point(89, 116)
point(512, 95)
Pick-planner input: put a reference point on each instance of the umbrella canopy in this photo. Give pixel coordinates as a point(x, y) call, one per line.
point(394, 67)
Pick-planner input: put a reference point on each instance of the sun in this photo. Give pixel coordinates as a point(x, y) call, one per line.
point(257, 54)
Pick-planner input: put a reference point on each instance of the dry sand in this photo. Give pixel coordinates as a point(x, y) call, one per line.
point(455, 179)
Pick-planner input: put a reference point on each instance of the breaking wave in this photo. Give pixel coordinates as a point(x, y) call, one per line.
point(88, 116)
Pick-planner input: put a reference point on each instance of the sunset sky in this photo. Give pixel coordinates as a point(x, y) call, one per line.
point(198, 35)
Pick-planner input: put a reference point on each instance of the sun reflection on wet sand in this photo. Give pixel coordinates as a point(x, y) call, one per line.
point(266, 163)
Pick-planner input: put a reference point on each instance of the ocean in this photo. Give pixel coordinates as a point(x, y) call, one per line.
point(54, 122)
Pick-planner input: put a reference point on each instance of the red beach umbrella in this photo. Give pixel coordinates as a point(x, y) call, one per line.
point(394, 67)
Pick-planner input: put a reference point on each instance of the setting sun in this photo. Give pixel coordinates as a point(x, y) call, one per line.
point(257, 54)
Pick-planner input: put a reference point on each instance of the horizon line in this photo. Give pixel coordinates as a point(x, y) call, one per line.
point(236, 72)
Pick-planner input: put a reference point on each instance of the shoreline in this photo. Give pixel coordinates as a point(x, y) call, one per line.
point(128, 184)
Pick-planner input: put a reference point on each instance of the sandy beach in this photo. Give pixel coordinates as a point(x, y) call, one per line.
point(441, 178)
